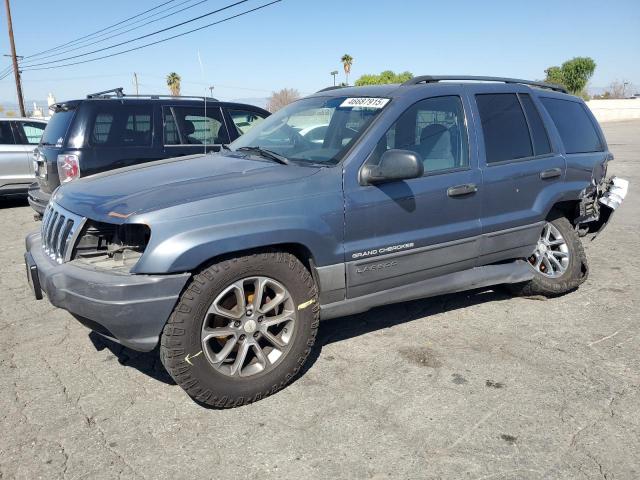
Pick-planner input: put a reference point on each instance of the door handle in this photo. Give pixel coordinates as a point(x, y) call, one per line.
point(551, 173)
point(460, 190)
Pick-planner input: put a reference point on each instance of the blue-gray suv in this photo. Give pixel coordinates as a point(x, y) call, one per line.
point(345, 200)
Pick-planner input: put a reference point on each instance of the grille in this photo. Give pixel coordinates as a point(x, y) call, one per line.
point(60, 229)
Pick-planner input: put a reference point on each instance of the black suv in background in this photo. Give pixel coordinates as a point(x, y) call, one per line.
point(109, 130)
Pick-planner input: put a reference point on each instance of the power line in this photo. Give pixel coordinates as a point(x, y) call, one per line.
point(111, 34)
point(140, 37)
point(161, 40)
point(102, 30)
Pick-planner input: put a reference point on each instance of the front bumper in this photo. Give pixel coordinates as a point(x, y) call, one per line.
point(37, 198)
point(131, 309)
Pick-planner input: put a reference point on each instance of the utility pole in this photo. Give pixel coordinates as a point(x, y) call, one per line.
point(16, 72)
point(211, 91)
point(334, 73)
point(135, 82)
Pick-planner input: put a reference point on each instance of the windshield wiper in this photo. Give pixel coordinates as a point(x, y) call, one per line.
point(266, 154)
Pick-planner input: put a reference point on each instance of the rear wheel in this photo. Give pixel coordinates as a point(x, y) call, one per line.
point(242, 329)
point(559, 261)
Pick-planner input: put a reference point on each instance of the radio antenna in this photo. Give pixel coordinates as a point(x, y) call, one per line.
point(204, 98)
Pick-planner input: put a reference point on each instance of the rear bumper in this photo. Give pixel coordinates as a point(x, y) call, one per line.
point(15, 187)
point(131, 309)
point(37, 198)
point(598, 203)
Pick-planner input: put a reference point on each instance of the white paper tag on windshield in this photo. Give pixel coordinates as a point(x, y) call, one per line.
point(365, 102)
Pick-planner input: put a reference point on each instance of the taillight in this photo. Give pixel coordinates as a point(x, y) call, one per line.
point(68, 168)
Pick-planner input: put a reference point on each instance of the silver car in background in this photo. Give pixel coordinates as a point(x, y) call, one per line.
point(18, 138)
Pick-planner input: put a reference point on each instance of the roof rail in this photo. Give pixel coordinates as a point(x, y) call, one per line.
point(438, 78)
point(333, 87)
point(119, 93)
point(175, 97)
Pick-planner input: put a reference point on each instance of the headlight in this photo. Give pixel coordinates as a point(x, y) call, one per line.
point(112, 246)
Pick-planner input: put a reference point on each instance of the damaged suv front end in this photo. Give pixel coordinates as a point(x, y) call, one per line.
point(84, 267)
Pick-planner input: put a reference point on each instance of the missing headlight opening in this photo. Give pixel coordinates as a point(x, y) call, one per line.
point(106, 245)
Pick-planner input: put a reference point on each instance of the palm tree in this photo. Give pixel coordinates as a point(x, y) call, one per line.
point(347, 61)
point(173, 82)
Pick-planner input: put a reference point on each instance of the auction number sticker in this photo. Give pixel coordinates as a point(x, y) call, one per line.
point(365, 102)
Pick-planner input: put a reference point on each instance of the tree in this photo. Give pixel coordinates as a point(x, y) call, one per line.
point(572, 74)
point(385, 77)
point(619, 89)
point(10, 113)
point(173, 82)
point(280, 99)
point(347, 61)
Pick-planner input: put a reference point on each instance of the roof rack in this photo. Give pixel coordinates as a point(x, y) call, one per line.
point(438, 78)
point(119, 93)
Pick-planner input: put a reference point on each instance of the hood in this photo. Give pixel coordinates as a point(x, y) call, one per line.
point(115, 196)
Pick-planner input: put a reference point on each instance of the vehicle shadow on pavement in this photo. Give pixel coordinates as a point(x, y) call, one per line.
point(330, 331)
point(14, 202)
point(145, 362)
point(338, 329)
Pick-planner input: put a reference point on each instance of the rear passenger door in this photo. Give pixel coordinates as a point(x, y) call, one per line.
point(191, 130)
point(15, 167)
point(28, 134)
point(521, 171)
point(119, 135)
point(403, 232)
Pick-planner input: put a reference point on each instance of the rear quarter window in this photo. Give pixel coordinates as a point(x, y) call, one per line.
point(577, 132)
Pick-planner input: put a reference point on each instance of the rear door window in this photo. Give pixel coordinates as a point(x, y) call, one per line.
point(576, 129)
point(6, 135)
point(504, 127)
point(31, 131)
point(541, 145)
point(122, 126)
point(191, 126)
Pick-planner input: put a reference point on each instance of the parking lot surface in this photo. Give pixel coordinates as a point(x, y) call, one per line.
point(473, 385)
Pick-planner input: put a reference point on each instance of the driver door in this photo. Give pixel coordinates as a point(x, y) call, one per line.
point(402, 232)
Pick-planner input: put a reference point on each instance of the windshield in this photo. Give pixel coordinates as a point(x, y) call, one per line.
point(314, 130)
point(57, 128)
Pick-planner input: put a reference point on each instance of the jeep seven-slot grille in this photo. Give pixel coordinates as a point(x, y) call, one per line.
point(59, 232)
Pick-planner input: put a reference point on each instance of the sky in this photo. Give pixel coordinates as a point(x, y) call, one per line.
point(297, 43)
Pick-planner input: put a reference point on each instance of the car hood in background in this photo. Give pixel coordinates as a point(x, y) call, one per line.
point(116, 195)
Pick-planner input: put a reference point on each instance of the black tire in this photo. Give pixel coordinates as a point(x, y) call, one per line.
point(575, 274)
point(181, 337)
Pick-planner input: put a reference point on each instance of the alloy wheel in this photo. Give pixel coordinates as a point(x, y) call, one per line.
point(249, 327)
point(551, 256)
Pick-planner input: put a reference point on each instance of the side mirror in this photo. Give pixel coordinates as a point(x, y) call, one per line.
point(394, 165)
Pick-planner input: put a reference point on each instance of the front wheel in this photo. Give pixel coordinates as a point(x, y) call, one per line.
point(559, 261)
point(242, 329)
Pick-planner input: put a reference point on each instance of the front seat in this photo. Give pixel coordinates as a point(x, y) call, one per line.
point(435, 147)
point(189, 129)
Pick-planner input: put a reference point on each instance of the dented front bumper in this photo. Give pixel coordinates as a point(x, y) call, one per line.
point(598, 202)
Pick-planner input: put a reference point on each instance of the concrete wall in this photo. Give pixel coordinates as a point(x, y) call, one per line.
point(611, 110)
